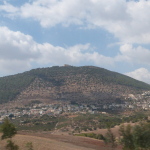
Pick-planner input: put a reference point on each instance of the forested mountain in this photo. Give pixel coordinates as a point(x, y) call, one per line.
point(67, 83)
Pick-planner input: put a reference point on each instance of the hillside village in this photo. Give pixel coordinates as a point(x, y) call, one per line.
point(132, 102)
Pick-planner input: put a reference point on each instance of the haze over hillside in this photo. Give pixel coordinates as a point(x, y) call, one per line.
point(85, 84)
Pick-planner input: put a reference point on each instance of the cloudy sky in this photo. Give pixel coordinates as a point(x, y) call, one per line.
point(112, 34)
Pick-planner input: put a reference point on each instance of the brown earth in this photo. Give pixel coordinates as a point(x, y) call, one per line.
point(47, 141)
point(60, 141)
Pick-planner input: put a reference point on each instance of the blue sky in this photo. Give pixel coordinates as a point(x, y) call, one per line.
point(112, 34)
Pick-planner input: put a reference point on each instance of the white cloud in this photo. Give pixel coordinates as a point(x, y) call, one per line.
point(134, 55)
point(128, 21)
point(19, 51)
point(141, 74)
point(8, 8)
point(8, 67)
point(75, 55)
point(16, 45)
point(52, 12)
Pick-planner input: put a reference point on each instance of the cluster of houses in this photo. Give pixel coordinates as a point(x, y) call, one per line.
point(49, 109)
point(140, 101)
point(131, 102)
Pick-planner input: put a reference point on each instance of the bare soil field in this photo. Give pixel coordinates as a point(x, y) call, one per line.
point(48, 141)
point(60, 140)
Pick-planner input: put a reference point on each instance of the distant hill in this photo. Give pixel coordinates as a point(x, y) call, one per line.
point(85, 84)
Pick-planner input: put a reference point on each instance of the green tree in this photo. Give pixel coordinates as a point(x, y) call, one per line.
point(141, 136)
point(8, 129)
point(127, 137)
point(110, 139)
point(135, 137)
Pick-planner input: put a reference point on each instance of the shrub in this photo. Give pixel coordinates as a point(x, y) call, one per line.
point(11, 145)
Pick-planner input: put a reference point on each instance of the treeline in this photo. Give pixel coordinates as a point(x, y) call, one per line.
point(92, 135)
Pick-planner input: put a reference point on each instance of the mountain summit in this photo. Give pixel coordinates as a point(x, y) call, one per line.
point(87, 84)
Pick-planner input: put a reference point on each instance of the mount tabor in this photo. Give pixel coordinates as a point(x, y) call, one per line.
point(85, 84)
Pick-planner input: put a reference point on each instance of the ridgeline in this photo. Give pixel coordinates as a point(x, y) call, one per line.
point(85, 84)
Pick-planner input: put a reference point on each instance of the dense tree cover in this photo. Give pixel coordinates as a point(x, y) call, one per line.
point(100, 74)
point(135, 137)
point(11, 86)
